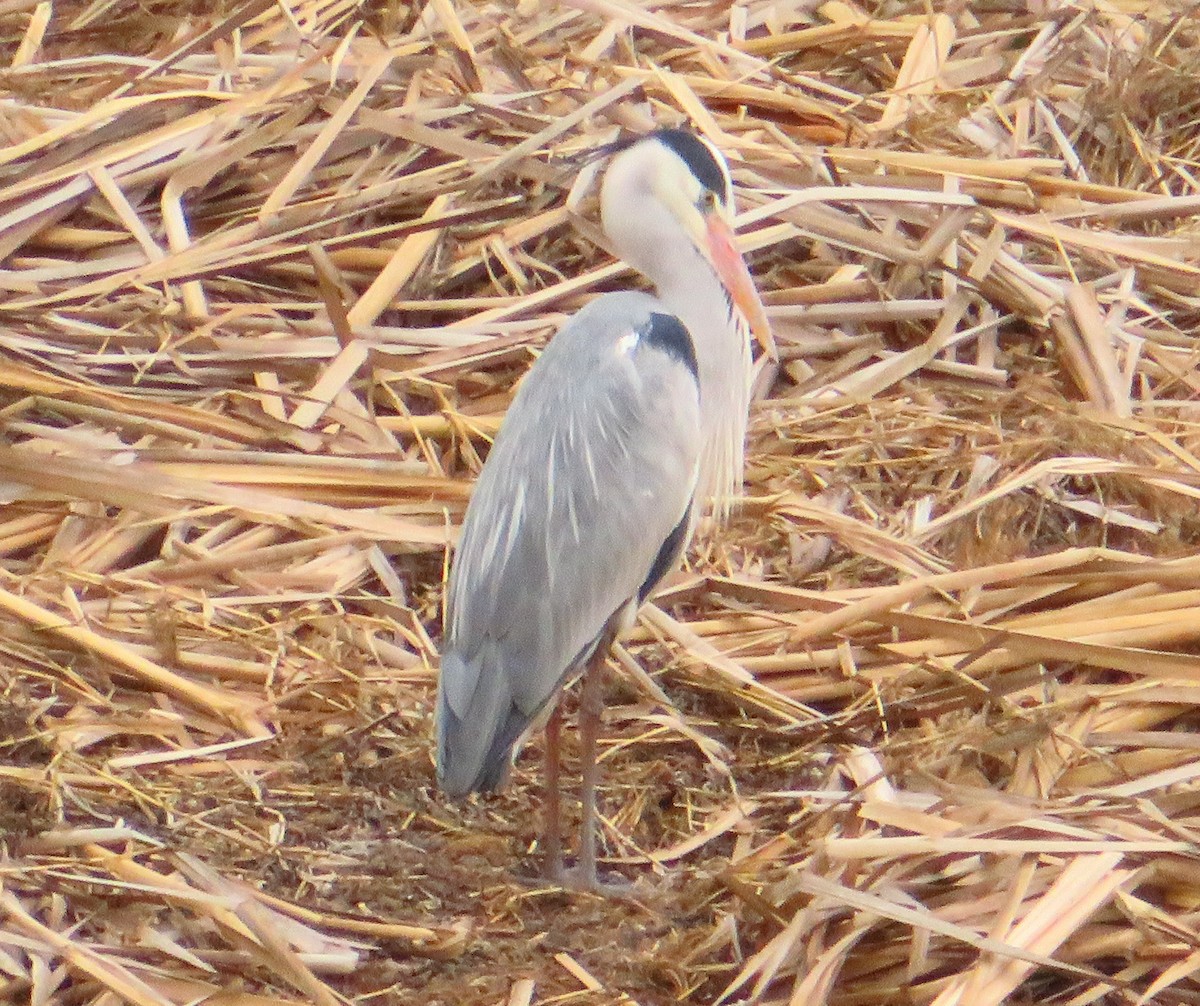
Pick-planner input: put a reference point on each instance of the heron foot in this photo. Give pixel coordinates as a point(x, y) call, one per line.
point(590, 881)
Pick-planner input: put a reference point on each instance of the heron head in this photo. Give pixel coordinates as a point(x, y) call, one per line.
point(669, 181)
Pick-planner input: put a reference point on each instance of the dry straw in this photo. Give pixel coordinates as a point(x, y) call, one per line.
point(919, 726)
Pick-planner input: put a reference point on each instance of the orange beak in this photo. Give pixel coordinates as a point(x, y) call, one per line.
point(736, 278)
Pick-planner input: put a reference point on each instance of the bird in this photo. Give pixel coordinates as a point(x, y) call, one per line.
point(629, 427)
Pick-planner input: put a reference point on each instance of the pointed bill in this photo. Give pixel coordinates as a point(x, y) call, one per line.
point(736, 278)
point(714, 239)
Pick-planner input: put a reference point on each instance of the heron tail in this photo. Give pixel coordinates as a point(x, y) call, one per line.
point(474, 745)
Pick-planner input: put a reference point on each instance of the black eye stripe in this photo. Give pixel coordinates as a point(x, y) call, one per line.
point(695, 153)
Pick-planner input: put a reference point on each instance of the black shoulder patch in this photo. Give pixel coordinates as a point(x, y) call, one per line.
point(694, 152)
point(669, 335)
point(667, 556)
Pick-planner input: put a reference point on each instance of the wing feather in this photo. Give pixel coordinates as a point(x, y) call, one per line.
point(593, 471)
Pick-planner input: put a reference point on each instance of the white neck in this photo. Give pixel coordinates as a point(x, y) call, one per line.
point(721, 339)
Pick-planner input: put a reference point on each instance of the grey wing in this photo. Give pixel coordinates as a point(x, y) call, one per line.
point(583, 503)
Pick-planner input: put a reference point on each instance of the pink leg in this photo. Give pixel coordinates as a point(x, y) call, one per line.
point(552, 829)
point(591, 705)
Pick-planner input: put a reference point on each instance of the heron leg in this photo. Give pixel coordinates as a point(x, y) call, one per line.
point(591, 705)
point(552, 828)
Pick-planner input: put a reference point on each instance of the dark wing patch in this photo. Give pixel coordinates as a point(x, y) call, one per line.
point(667, 556)
point(695, 153)
point(670, 336)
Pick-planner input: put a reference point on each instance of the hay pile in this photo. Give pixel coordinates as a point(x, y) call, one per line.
point(270, 272)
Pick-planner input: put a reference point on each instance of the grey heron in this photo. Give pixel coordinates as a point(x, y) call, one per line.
point(630, 421)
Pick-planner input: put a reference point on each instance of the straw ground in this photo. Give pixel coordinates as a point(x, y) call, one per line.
point(918, 726)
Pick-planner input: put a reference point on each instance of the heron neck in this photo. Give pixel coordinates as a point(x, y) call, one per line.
point(695, 295)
